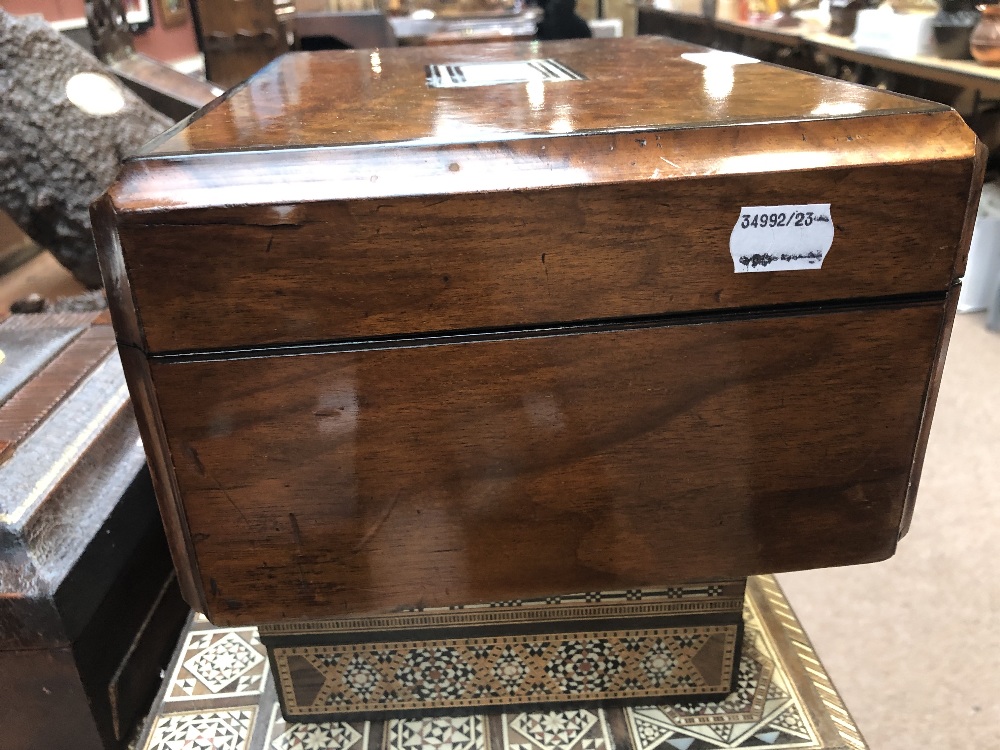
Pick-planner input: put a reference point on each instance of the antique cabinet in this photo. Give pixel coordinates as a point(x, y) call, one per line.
point(426, 328)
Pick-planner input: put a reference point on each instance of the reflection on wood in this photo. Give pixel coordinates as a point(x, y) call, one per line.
point(529, 467)
point(412, 346)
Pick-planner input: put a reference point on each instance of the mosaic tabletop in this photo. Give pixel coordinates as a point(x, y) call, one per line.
point(219, 695)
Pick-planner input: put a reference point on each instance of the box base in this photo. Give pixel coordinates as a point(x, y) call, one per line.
point(678, 643)
point(784, 698)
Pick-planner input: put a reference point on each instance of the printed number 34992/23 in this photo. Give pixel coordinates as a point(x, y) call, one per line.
point(794, 219)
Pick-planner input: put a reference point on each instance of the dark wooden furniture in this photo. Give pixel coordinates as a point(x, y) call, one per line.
point(409, 346)
point(358, 30)
point(163, 88)
point(89, 605)
point(966, 74)
point(478, 28)
point(238, 37)
point(166, 90)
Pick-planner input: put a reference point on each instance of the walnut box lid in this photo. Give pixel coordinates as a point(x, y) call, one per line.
point(355, 150)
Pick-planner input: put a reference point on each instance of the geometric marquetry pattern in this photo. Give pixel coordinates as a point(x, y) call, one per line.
point(506, 670)
point(686, 599)
point(437, 733)
point(582, 729)
point(209, 730)
point(218, 663)
point(762, 712)
point(323, 735)
point(767, 710)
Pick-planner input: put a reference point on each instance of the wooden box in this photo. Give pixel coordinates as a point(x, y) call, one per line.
point(433, 327)
point(89, 605)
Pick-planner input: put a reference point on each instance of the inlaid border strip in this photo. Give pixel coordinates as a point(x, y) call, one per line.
point(721, 597)
point(37, 398)
point(732, 634)
point(455, 619)
point(796, 635)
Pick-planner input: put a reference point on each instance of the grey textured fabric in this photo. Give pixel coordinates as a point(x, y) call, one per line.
point(56, 158)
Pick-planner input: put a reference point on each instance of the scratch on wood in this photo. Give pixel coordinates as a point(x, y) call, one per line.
point(189, 449)
point(363, 542)
point(197, 459)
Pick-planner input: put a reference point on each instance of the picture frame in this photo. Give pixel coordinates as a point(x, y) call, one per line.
point(138, 14)
point(173, 12)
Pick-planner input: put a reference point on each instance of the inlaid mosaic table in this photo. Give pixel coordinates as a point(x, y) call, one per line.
point(220, 695)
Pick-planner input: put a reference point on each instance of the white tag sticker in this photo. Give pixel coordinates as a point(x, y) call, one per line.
point(781, 238)
point(718, 57)
point(464, 75)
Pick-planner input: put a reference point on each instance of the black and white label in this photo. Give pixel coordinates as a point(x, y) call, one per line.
point(781, 238)
point(464, 75)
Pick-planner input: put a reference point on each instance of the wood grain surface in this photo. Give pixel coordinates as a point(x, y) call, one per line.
point(357, 269)
point(396, 346)
point(381, 96)
point(365, 481)
point(406, 211)
point(275, 182)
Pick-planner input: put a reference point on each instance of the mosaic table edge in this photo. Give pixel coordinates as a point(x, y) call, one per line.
point(219, 694)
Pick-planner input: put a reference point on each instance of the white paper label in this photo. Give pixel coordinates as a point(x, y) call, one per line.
point(781, 238)
point(718, 57)
point(464, 75)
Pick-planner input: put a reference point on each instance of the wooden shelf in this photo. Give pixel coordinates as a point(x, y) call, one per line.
point(962, 73)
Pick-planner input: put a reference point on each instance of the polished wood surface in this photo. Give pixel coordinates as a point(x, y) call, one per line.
point(175, 523)
point(373, 268)
point(159, 190)
point(365, 96)
point(124, 316)
point(365, 481)
point(444, 227)
point(403, 346)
